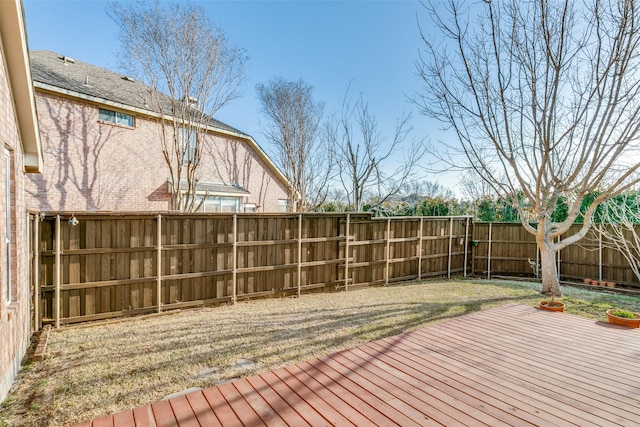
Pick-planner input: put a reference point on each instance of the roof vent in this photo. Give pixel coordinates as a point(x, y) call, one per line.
point(191, 100)
point(86, 81)
point(127, 78)
point(68, 60)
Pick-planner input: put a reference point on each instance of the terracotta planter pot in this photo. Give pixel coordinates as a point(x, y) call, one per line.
point(603, 283)
point(631, 323)
point(594, 282)
point(587, 281)
point(611, 284)
point(551, 306)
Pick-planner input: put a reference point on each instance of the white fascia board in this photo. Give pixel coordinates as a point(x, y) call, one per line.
point(16, 51)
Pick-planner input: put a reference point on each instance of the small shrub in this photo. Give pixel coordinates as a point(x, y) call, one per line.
point(626, 314)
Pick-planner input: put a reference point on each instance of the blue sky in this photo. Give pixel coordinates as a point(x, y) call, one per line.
point(329, 44)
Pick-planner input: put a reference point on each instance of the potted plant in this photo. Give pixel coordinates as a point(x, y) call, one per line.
point(624, 318)
point(551, 305)
point(587, 281)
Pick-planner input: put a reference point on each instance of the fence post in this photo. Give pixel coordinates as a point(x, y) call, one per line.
point(473, 249)
point(466, 246)
point(159, 263)
point(450, 247)
point(387, 254)
point(58, 275)
point(346, 255)
point(420, 249)
point(299, 252)
point(489, 254)
point(235, 258)
point(35, 239)
point(599, 257)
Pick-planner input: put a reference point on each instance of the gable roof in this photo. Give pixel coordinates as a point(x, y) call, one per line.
point(56, 70)
point(16, 56)
point(63, 75)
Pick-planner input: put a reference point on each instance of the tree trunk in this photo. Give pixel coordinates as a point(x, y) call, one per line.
point(550, 282)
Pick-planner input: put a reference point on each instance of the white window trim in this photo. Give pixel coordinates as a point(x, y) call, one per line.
point(8, 225)
point(115, 122)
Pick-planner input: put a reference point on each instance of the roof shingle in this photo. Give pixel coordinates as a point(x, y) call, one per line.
point(53, 69)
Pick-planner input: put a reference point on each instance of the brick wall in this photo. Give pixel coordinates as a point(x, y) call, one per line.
point(92, 165)
point(14, 316)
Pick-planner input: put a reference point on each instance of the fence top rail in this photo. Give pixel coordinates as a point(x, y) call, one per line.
point(418, 218)
point(291, 215)
point(477, 221)
point(173, 214)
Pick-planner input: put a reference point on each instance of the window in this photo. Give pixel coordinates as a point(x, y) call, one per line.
point(8, 224)
point(283, 205)
point(188, 145)
point(220, 204)
point(250, 207)
point(115, 117)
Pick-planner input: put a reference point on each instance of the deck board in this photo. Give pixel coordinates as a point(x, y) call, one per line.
point(512, 365)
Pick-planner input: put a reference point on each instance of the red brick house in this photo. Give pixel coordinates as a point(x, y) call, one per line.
point(21, 155)
point(102, 151)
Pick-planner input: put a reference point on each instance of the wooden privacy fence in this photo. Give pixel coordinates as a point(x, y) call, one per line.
point(117, 265)
point(508, 249)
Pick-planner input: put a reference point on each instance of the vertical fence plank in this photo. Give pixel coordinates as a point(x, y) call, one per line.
point(599, 256)
point(450, 247)
point(420, 239)
point(36, 272)
point(473, 248)
point(299, 252)
point(466, 246)
point(346, 254)
point(235, 258)
point(387, 252)
point(57, 301)
point(159, 263)
point(489, 253)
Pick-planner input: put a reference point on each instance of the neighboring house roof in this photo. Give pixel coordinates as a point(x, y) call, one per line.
point(67, 76)
point(54, 69)
point(16, 52)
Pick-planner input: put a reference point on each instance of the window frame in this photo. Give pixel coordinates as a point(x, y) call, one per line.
point(188, 148)
point(113, 117)
point(218, 203)
point(284, 205)
point(9, 224)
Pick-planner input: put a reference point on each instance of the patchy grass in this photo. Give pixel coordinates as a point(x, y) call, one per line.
point(107, 368)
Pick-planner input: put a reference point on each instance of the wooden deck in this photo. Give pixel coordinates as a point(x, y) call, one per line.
point(514, 365)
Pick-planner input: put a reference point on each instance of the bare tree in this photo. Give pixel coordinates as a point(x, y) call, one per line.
point(178, 52)
point(293, 118)
point(419, 189)
point(475, 190)
point(361, 152)
point(473, 187)
point(543, 98)
point(617, 228)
